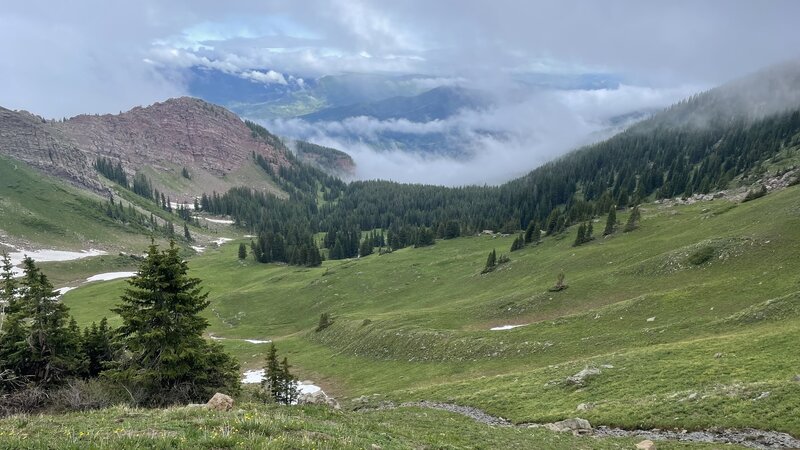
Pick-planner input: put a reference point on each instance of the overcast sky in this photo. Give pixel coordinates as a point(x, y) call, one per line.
point(61, 58)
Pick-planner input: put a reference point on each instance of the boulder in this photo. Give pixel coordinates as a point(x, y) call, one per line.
point(220, 402)
point(585, 407)
point(647, 444)
point(317, 398)
point(579, 378)
point(797, 378)
point(576, 425)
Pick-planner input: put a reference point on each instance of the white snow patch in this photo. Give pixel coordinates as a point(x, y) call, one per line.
point(249, 236)
point(222, 240)
point(223, 221)
point(198, 249)
point(651, 319)
point(506, 327)
point(252, 341)
point(256, 376)
point(110, 276)
point(47, 256)
point(253, 376)
point(178, 205)
point(64, 290)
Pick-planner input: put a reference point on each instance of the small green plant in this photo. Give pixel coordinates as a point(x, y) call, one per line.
point(324, 322)
point(702, 255)
point(560, 284)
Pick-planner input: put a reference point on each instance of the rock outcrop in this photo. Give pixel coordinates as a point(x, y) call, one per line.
point(164, 137)
point(220, 402)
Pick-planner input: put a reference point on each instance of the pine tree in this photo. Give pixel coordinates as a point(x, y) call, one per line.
point(38, 342)
point(161, 333)
point(518, 244)
point(532, 232)
point(98, 347)
point(324, 321)
point(242, 251)
point(186, 233)
point(288, 384)
point(8, 290)
point(611, 221)
point(581, 236)
point(491, 262)
point(278, 384)
point(366, 248)
point(633, 220)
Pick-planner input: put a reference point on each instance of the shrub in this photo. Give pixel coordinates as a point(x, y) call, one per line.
point(702, 255)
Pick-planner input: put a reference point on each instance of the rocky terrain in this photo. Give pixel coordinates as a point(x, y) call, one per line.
point(163, 138)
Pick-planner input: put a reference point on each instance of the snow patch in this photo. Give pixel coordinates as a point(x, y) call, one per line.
point(222, 221)
point(185, 205)
point(651, 319)
point(110, 276)
point(256, 376)
point(222, 240)
point(506, 327)
point(198, 249)
point(64, 290)
point(253, 376)
point(47, 256)
point(256, 341)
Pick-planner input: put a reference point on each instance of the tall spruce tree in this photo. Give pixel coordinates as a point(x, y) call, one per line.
point(491, 262)
point(98, 346)
point(580, 238)
point(278, 384)
point(38, 342)
point(242, 251)
point(611, 221)
point(167, 357)
point(633, 220)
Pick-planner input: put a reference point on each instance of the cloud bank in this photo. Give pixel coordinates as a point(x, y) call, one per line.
point(497, 144)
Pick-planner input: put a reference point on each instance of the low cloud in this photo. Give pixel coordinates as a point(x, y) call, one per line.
point(269, 77)
point(495, 144)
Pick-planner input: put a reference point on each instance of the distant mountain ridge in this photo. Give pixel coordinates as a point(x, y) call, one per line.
point(212, 143)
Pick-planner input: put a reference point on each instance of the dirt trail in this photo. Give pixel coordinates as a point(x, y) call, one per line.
point(747, 437)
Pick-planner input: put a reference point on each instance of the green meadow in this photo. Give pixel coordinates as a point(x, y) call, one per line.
point(692, 320)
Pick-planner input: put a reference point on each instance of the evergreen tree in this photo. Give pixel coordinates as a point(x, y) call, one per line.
point(581, 236)
point(491, 262)
point(98, 347)
point(633, 220)
point(452, 230)
point(242, 251)
point(278, 384)
point(532, 232)
point(324, 322)
point(38, 342)
point(8, 290)
point(289, 392)
point(519, 243)
point(186, 233)
point(611, 221)
point(161, 334)
point(366, 248)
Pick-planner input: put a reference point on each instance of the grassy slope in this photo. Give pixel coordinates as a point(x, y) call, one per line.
point(307, 427)
point(430, 310)
point(46, 212)
point(41, 212)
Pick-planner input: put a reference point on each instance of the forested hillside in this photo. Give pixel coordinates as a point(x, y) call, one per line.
point(662, 157)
